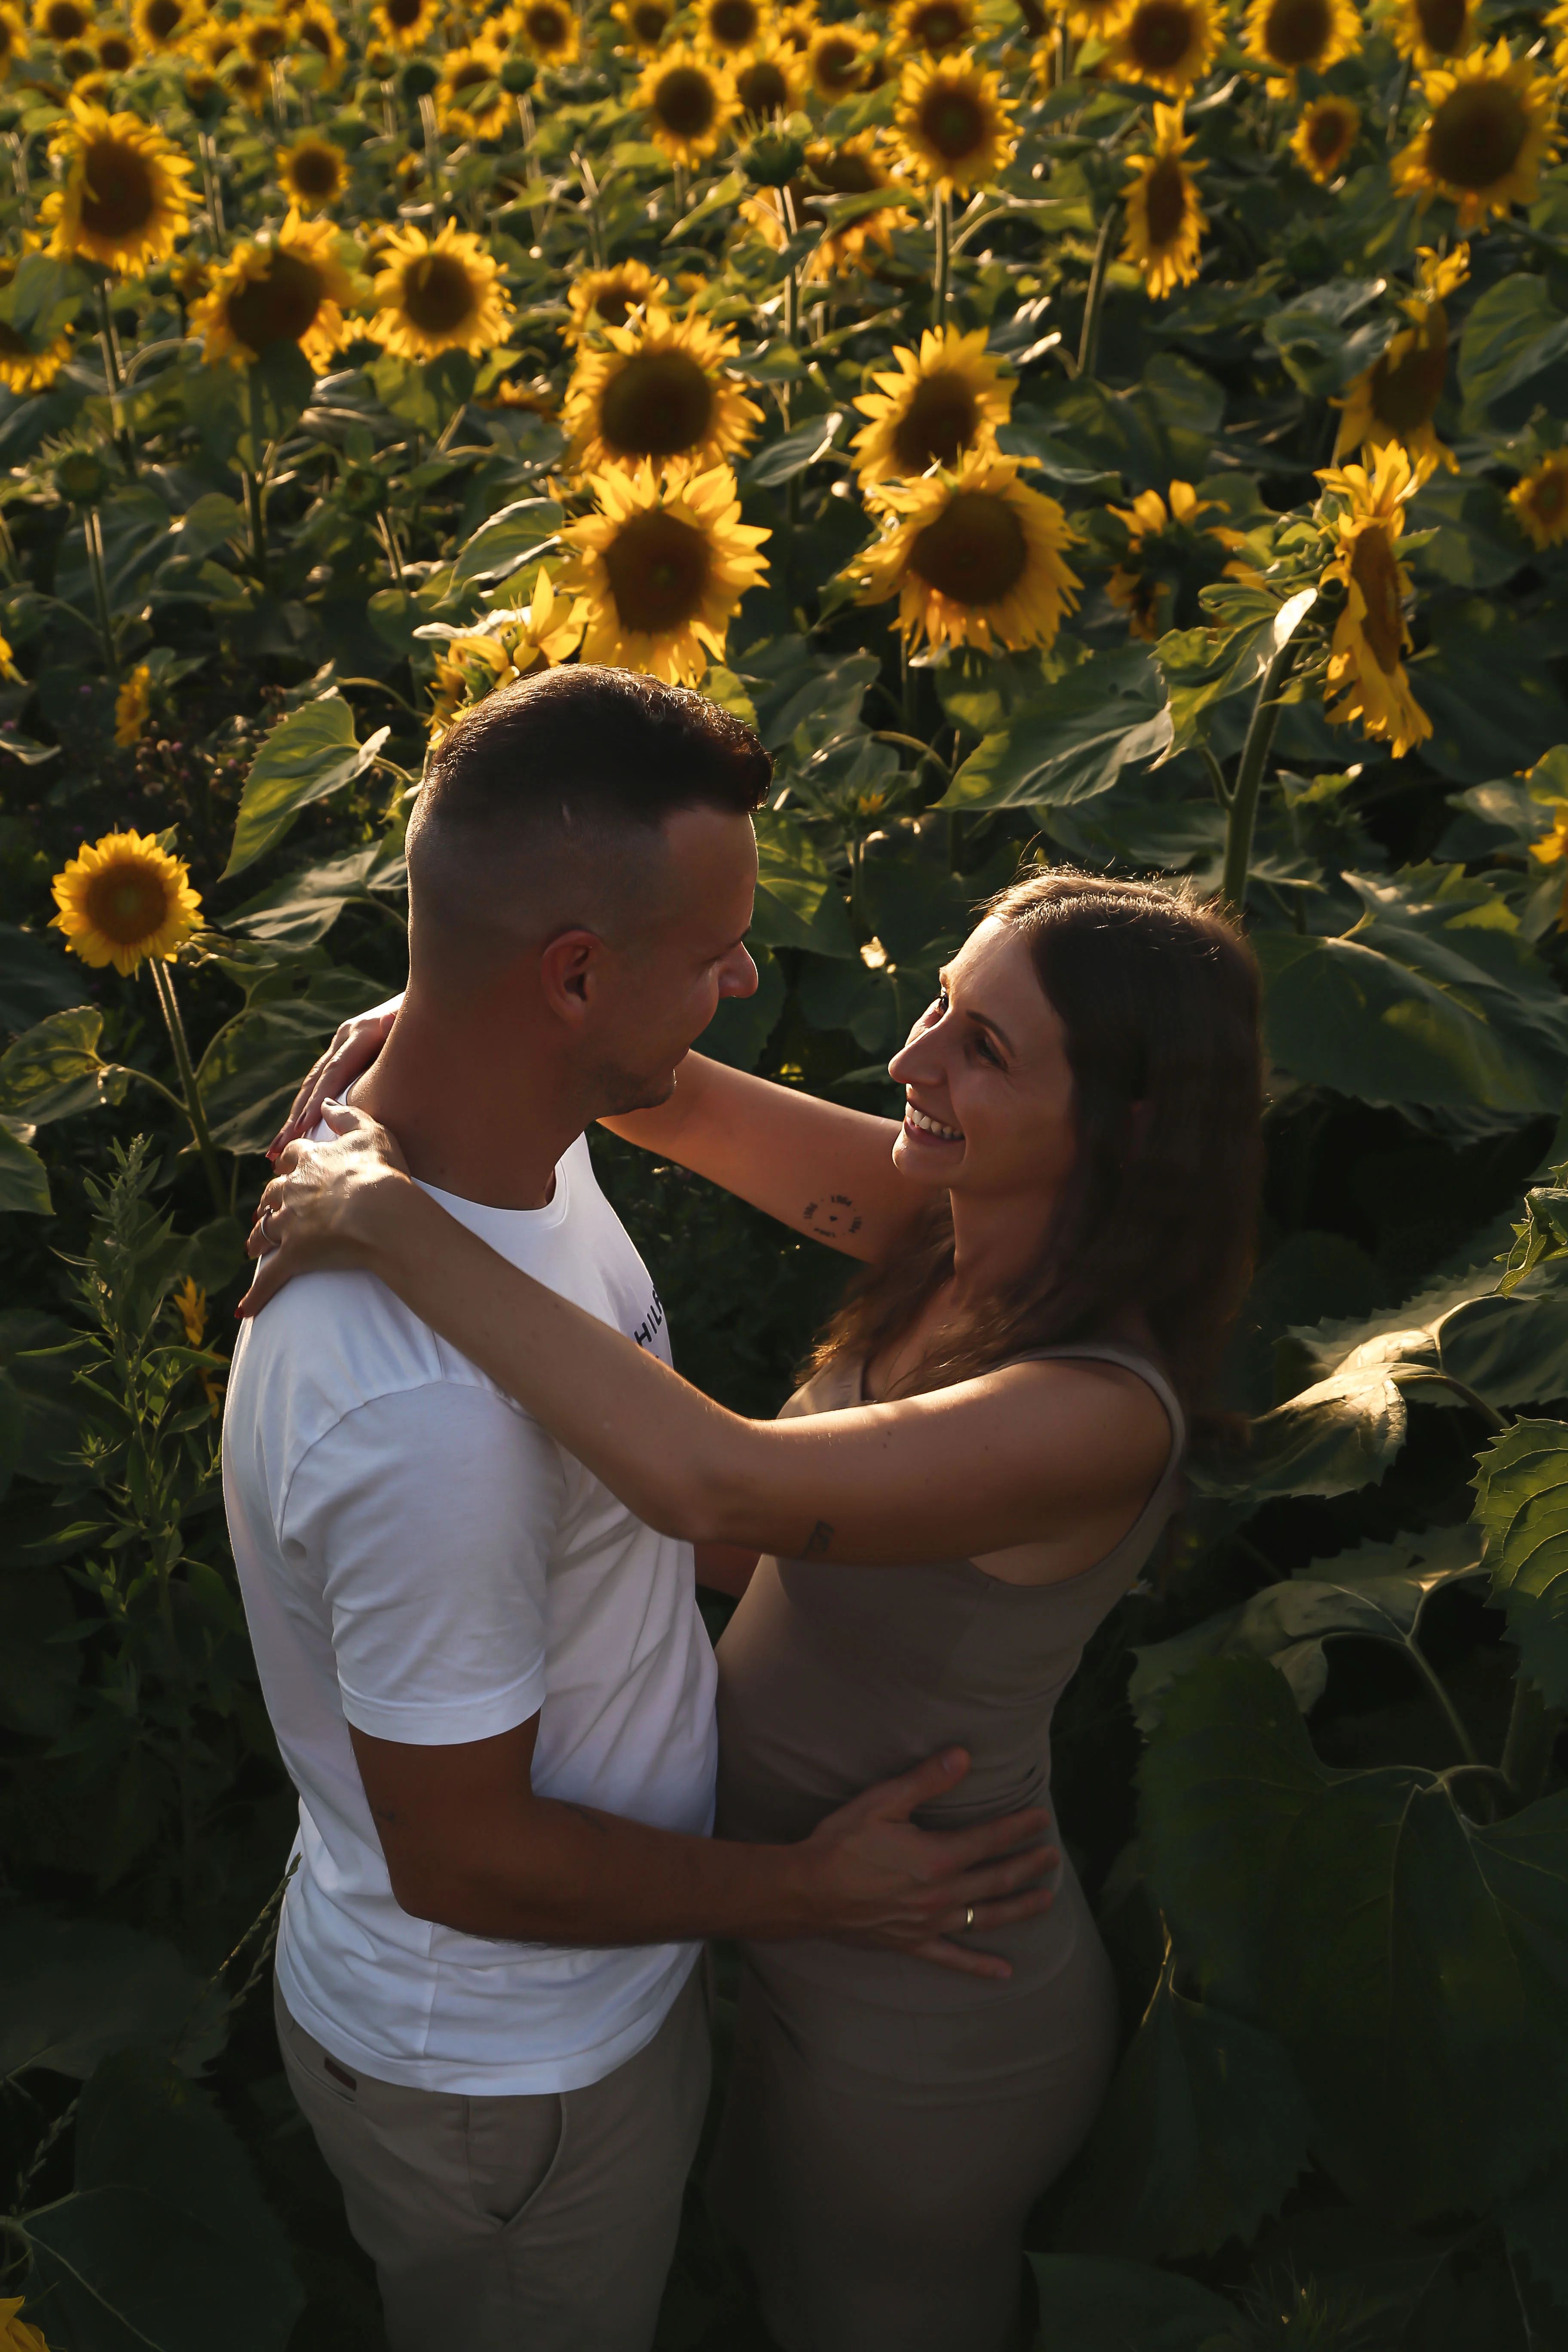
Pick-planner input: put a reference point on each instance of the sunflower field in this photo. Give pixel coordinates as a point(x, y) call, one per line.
point(1133, 435)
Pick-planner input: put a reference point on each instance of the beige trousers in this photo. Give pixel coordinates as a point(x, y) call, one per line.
point(542, 2224)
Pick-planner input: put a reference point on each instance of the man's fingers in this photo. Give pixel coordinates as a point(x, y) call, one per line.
point(995, 1880)
point(959, 1850)
point(962, 1957)
point(895, 1801)
point(1005, 1913)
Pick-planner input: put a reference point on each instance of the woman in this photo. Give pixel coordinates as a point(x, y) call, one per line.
point(985, 1456)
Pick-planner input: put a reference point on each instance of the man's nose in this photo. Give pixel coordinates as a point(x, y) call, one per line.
point(739, 976)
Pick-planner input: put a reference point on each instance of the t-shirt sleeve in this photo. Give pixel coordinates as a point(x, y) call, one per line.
point(429, 1517)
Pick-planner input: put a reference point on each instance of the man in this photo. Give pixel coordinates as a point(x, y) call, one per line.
point(488, 1681)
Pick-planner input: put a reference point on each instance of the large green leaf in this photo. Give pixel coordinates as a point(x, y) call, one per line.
point(1511, 1349)
point(300, 911)
point(1535, 2224)
point(742, 1024)
point(74, 1991)
point(313, 752)
point(1093, 2305)
point(1522, 1480)
point(249, 1073)
point(1340, 1434)
point(56, 1069)
point(1513, 332)
point(24, 1178)
point(1072, 739)
point(799, 904)
point(1204, 2131)
point(506, 540)
point(35, 977)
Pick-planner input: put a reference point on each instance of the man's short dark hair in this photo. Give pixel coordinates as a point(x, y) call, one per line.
point(547, 791)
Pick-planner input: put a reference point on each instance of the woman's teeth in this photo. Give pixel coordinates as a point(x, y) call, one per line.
point(930, 1126)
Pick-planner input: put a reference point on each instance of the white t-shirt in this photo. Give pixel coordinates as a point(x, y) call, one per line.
point(420, 1559)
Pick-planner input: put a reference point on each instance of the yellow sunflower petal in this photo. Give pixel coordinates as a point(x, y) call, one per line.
point(123, 899)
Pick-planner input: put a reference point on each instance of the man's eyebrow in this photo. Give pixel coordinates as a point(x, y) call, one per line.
point(983, 1021)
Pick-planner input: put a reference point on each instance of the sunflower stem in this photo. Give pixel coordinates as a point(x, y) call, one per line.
point(19, 176)
point(116, 378)
point(427, 123)
point(212, 190)
point(1532, 1729)
point(255, 515)
point(1094, 303)
point(388, 112)
point(169, 1003)
point(92, 534)
point(1241, 818)
point(941, 229)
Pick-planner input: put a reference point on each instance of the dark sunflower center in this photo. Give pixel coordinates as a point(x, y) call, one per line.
point(1477, 134)
point(1549, 499)
point(544, 25)
point(940, 27)
point(315, 36)
point(403, 14)
point(12, 347)
point(1327, 134)
point(126, 903)
point(733, 22)
point(657, 406)
point(6, 39)
point(64, 21)
point(940, 421)
point(77, 59)
point(1377, 574)
point(954, 122)
point(1161, 35)
point(1297, 31)
point(648, 22)
point(115, 53)
point(975, 553)
point(1406, 391)
point(119, 198)
point(847, 173)
point(659, 569)
point(1442, 24)
point(471, 74)
point(278, 308)
point(614, 304)
point(686, 103)
point(763, 89)
point(315, 172)
point(438, 294)
point(267, 39)
point(837, 63)
point(162, 18)
point(1166, 196)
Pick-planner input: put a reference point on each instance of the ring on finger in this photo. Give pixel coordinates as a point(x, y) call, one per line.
point(266, 1239)
point(969, 1917)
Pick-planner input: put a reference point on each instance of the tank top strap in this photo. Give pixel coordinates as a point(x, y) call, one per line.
point(1107, 1351)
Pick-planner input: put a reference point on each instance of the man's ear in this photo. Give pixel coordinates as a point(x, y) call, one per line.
point(571, 972)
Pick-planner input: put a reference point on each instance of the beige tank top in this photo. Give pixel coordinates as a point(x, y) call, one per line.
point(833, 1677)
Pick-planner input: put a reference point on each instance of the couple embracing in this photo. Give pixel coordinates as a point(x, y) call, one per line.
point(465, 1484)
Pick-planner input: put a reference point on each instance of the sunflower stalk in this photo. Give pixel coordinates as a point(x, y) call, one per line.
point(115, 376)
point(92, 536)
point(1241, 815)
point(19, 177)
point(941, 230)
point(1094, 302)
point(169, 1005)
point(212, 190)
point(427, 123)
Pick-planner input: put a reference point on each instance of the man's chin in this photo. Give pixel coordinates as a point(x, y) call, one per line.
point(628, 1094)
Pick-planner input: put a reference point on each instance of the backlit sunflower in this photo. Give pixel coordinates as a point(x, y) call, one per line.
point(131, 705)
point(604, 298)
point(13, 39)
point(1096, 20)
point(838, 61)
point(437, 294)
point(62, 21)
point(952, 126)
point(1323, 139)
point(1161, 541)
point(1433, 31)
point(1539, 501)
point(547, 29)
point(21, 369)
point(115, 49)
point(934, 26)
point(1168, 44)
point(973, 557)
point(730, 27)
point(316, 36)
point(655, 389)
point(855, 168)
point(510, 646)
point(167, 24)
point(290, 288)
point(1365, 665)
point(1285, 34)
point(122, 900)
point(263, 38)
point(689, 104)
point(1397, 397)
point(935, 407)
point(1488, 131)
point(643, 22)
point(406, 24)
point(661, 567)
point(247, 79)
point(769, 79)
point(1557, 21)
point(469, 100)
point(123, 201)
point(314, 171)
point(1165, 221)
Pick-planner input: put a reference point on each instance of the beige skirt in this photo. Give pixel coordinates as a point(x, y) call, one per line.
point(877, 2165)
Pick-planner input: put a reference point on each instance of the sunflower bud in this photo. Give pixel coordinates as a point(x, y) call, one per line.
point(81, 477)
point(419, 78)
point(518, 75)
point(772, 160)
point(205, 96)
point(1331, 594)
point(380, 62)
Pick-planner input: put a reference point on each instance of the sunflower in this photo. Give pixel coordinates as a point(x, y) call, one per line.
point(547, 29)
point(1165, 221)
point(854, 169)
point(1539, 501)
point(1096, 20)
point(247, 79)
point(934, 408)
point(263, 38)
point(973, 557)
point(21, 369)
point(1168, 44)
point(380, 62)
point(314, 171)
point(316, 35)
point(689, 103)
point(769, 80)
point(115, 50)
point(838, 61)
point(1323, 139)
point(469, 98)
point(1366, 669)
point(289, 289)
point(124, 900)
point(954, 127)
point(13, 39)
point(1159, 538)
point(1283, 35)
point(661, 568)
point(643, 22)
point(167, 24)
point(437, 294)
point(511, 644)
point(62, 21)
point(77, 61)
point(795, 27)
point(131, 705)
point(1556, 21)
point(934, 26)
point(1487, 133)
point(1432, 31)
point(1397, 397)
point(124, 200)
point(405, 24)
point(730, 27)
point(605, 297)
point(655, 389)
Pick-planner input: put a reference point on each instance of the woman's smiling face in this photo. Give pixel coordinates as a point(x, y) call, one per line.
point(989, 1094)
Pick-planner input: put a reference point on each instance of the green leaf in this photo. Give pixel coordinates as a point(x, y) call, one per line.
point(1089, 2305)
point(74, 1991)
point(54, 1069)
point(1204, 667)
point(793, 452)
point(1535, 2224)
point(249, 1073)
point(24, 1178)
point(508, 539)
point(1522, 1481)
point(44, 296)
point(1513, 334)
point(742, 1024)
point(40, 1658)
point(300, 911)
point(35, 977)
point(793, 688)
point(313, 752)
point(1204, 2133)
point(1338, 1436)
point(799, 904)
point(1072, 739)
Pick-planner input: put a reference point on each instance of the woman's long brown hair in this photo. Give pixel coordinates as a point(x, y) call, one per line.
point(1158, 992)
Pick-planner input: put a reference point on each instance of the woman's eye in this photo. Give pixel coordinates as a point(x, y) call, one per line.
point(988, 1052)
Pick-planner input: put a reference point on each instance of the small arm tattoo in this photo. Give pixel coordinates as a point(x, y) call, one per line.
point(818, 1540)
point(831, 1218)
